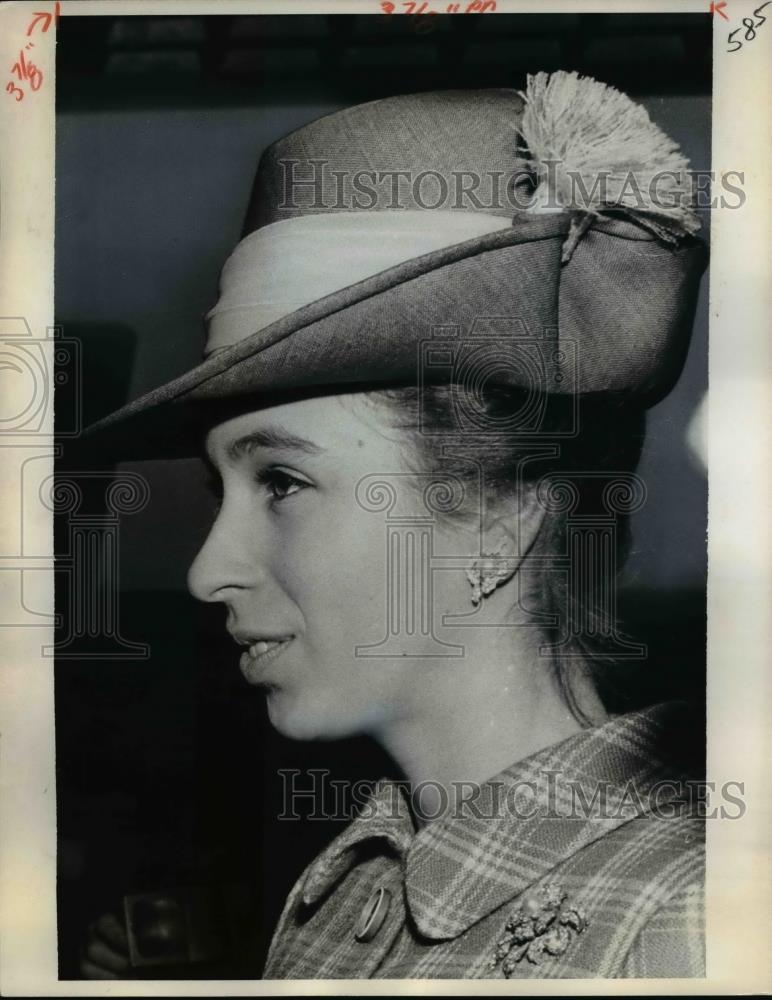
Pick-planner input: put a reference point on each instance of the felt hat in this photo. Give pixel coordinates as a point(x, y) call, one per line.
point(544, 240)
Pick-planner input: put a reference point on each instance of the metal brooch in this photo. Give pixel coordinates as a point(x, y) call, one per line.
point(543, 924)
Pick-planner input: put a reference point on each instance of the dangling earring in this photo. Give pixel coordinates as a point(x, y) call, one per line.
point(486, 574)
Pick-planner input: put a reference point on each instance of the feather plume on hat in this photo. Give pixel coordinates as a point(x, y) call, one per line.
point(594, 151)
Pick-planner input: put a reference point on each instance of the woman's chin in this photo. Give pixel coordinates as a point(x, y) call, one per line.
point(299, 721)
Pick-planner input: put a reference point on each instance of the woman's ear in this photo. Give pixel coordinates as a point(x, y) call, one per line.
point(509, 532)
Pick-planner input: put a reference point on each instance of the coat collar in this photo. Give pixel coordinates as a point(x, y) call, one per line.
point(526, 820)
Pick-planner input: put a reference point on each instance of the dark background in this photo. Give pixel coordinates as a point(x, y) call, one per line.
point(167, 766)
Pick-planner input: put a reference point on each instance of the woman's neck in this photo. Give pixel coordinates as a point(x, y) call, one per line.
point(472, 718)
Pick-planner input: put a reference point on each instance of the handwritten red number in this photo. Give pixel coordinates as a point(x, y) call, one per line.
point(17, 91)
point(421, 8)
point(20, 68)
point(27, 71)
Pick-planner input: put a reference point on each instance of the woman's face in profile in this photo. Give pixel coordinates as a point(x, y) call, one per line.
point(301, 567)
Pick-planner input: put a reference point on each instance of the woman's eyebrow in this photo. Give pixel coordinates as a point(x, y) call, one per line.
point(271, 437)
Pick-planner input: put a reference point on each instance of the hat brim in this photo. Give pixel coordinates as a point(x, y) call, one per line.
point(594, 325)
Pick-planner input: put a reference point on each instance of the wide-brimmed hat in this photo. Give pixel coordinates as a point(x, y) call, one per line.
point(390, 242)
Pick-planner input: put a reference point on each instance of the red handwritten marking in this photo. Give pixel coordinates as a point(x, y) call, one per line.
point(20, 68)
point(423, 8)
point(46, 17)
point(718, 8)
point(26, 71)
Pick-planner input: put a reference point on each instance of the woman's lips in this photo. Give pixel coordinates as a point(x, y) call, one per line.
point(259, 655)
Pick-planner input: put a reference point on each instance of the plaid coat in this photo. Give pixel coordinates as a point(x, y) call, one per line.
point(585, 860)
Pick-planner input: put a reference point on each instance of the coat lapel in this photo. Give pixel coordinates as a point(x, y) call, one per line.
point(530, 818)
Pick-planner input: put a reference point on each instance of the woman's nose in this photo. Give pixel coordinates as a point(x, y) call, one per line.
point(226, 562)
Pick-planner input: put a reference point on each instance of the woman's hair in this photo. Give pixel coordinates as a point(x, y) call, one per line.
point(590, 439)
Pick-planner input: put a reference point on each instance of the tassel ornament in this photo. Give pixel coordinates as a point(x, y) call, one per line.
point(593, 150)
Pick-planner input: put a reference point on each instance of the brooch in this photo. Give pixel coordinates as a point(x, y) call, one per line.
point(543, 924)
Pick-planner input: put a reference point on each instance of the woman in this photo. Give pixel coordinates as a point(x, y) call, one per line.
point(423, 413)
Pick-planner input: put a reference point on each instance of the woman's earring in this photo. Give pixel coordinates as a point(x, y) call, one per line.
point(486, 574)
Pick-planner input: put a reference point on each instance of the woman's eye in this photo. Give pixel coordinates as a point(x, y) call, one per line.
point(280, 484)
